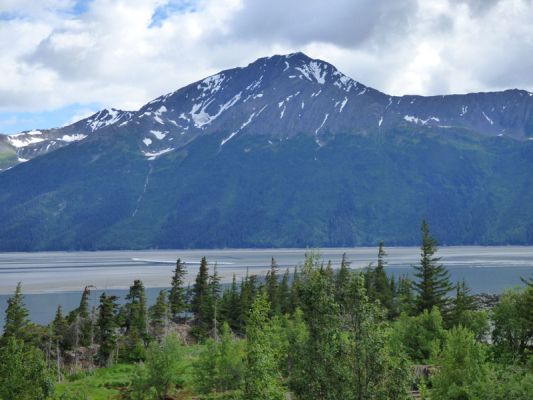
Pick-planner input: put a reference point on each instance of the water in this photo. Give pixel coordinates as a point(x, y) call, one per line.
point(53, 278)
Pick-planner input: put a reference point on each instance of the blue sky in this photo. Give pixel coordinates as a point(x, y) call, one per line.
point(13, 122)
point(63, 59)
point(17, 121)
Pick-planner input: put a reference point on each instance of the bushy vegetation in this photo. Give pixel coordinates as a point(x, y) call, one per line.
point(313, 333)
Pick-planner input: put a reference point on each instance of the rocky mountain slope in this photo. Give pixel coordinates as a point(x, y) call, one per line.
point(287, 151)
point(24, 146)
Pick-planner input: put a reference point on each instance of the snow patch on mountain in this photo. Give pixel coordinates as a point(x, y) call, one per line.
point(343, 104)
point(313, 70)
point(255, 84)
point(343, 82)
point(106, 117)
point(416, 120)
point(201, 117)
point(151, 155)
point(244, 125)
point(158, 134)
point(19, 141)
point(322, 124)
point(487, 118)
point(73, 138)
point(212, 84)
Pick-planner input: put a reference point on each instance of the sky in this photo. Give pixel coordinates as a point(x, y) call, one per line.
point(62, 60)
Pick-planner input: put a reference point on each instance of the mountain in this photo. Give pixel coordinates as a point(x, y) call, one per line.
point(15, 149)
point(287, 151)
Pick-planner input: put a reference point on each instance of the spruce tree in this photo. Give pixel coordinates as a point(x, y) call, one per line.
point(341, 281)
point(404, 296)
point(213, 301)
point(135, 322)
point(248, 292)
point(83, 309)
point(16, 321)
point(433, 282)
point(200, 301)
point(177, 296)
point(284, 294)
point(107, 335)
point(159, 316)
point(84, 319)
point(230, 306)
point(382, 285)
point(59, 327)
point(462, 304)
point(328, 271)
point(271, 287)
point(294, 302)
point(136, 313)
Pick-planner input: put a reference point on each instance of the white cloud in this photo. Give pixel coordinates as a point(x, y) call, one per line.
point(115, 55)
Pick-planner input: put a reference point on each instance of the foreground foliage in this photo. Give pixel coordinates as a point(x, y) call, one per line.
point(314, 334)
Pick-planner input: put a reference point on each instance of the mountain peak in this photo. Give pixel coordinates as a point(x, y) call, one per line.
point(278, 97)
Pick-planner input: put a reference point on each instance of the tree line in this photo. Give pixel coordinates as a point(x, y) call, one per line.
point(313, 331)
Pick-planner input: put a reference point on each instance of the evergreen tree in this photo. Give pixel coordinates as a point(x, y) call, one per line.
point(271, 287)
point(462, 302)
point(341, 281)
point(248, 292)
point(200, 301)
point(382, 286)
point(159, 316)
point(404, 297)
point(83, 319)
point(433, 282)
point(261, 378)
point(214, 301)
point(107, 326)
point(294, 302)
point(230, 306)
point(136, 314)
point(177, 297)
point(80, 331)
point(135, 322)
point(328, 271)
point(83, 309)
point(284, 294)
point(464, 312)
point(59, 328)
point(16, 320)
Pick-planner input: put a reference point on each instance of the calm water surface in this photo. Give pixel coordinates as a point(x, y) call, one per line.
point(52, 278)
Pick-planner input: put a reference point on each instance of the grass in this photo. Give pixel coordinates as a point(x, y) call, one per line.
point(100, 384)
point(113, 382)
